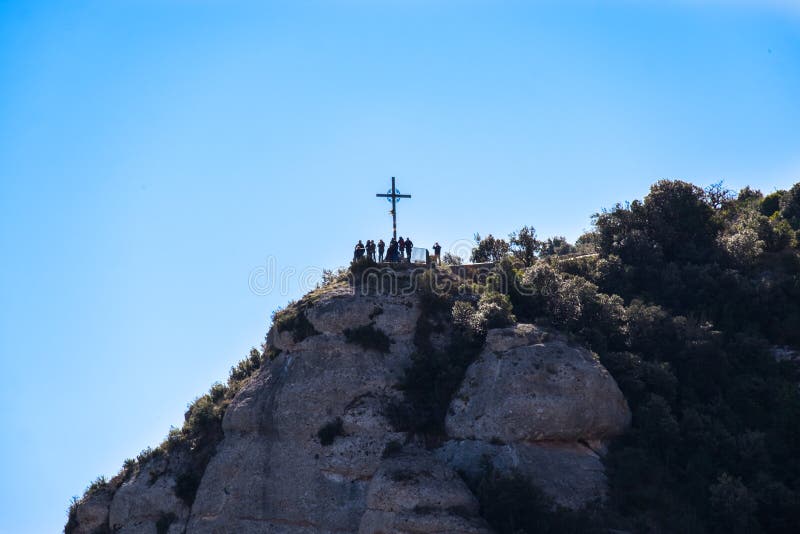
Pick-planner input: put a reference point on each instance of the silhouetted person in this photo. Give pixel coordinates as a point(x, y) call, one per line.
point(401, 243)
point(409, 246)
point(359, 251)
point(392, 250)
point(371, 249)
point(437, 249)
point(381, 247)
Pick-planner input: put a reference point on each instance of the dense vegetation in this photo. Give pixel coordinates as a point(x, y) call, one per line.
point(459, 316)
point(685, 296)
point(511, 504)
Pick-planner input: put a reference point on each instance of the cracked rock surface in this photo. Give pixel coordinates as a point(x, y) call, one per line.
point(534, 403)
point(531, 402)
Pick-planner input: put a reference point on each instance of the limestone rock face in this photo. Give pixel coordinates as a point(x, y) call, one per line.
point(531, 402)
point(534, 404)
point(397, 317)
point(414, 492)
point(523, 389)
point(271, 473)
point(140, 505)
point(569, 472)
point(92, 514)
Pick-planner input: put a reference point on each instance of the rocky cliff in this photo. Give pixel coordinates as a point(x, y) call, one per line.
point(310, 441)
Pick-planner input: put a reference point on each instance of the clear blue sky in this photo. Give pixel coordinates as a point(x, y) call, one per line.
point(154, 154)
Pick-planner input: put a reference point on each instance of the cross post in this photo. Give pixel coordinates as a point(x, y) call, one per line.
point(394, 194)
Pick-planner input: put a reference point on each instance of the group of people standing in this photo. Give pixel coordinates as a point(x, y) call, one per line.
point(397, 251)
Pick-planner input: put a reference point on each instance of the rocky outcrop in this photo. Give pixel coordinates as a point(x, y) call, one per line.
point(271, 472)
point(569, 472)
point(147, 502)
point(524, 389)
point(414, 492)
point(92, 513)
point(308, 446)
point(534, 403)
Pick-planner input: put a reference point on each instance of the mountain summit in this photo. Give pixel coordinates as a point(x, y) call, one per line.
point(324, 432)
point(644, 379)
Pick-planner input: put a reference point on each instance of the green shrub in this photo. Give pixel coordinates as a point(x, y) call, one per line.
point(293, 319)
point(393, 448)
point(330, 277)
point(511, 505)
point(202, 427)
point(246, 368)
point(368, 337)
point(271, 353)
point(465, 316)
point(435, 375)
point(495, 310)
point(433, 291)
point(204, 415)
point(186, 486)
point(541, 282)
point(790, 206)
point(451, 259)
point(149, 454)
point(556, 246)
point(164, 522)
point(732, 506)
point(98, 484)
point(72, 516)
point(128, 469)
point(361, 266)
point(771, 203)
point(777, 234)
point(683, 316)
point(330, 431)
point(748, 195)
point(524, 245)
point(489, 249)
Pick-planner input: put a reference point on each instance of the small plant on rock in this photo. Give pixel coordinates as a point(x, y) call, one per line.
point(368, 337)
point(293, 319)
point(328, 433)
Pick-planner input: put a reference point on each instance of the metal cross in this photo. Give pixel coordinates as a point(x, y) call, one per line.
point(394, 195)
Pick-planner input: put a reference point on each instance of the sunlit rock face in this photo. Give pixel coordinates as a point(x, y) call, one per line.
point(415, 492)
point(529, 386)
point(531, 402)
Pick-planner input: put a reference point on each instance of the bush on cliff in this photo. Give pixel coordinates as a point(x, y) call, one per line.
point(436, 373)
point(330, 431)
point(293, 319)
point(368, 337)
point(686, 298)
point(685, 316)
point(511, 504)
